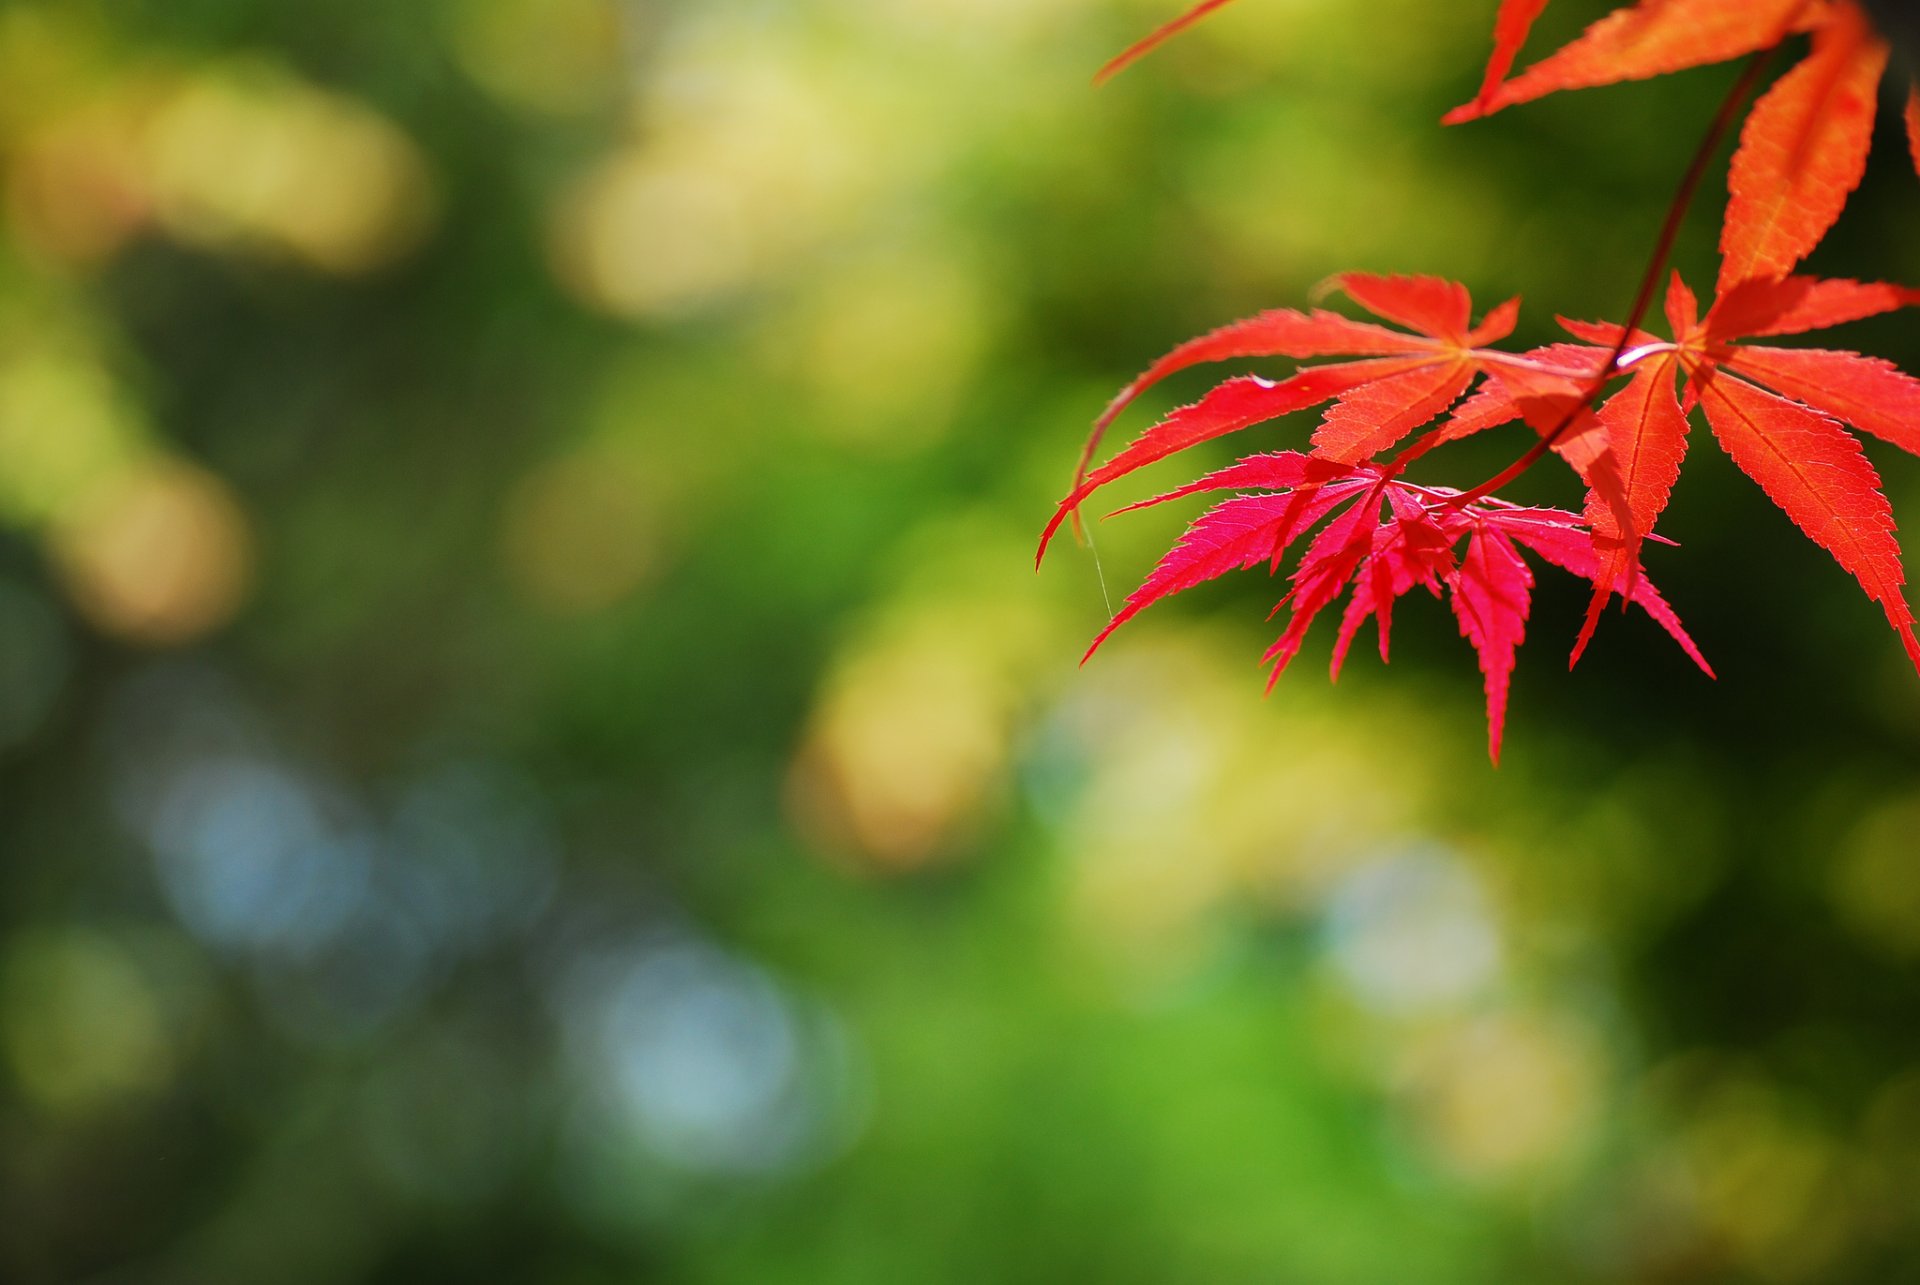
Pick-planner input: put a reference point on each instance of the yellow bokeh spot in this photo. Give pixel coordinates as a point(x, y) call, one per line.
point(1766, 1180)
point(161, 555)
point(1892, 1123)
point(580, 533)
point(64, 430)
point(82, 1027)
point(1197, 792)
point(255, 159)
point(556, 56)
point(1161, 725)
point(903, 752)
point(887, 345)
point(640, 239)
point(78, 187)
point(50, 55)
point(1506, 1098)
point(1876, 879)
point(751, 158)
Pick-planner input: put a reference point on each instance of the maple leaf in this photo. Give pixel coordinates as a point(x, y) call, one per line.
point(1629, 453)
point(1804, 147)
point(1780, 413)
point(1405, 378)
point(1510, 28)
point(1382, 537)
point(1651, 38)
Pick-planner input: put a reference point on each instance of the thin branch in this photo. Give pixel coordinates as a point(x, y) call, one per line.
point(1716, 134)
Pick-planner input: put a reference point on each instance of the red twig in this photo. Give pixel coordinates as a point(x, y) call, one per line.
point(1716, 134)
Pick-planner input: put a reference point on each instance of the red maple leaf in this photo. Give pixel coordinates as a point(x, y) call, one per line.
point(1804, 147)
point(1382, 537)
point(1778, 412)
point(1403, 381)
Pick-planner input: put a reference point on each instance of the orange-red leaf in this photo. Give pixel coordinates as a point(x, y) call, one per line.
point(1510, 30)
point(1603, 334)
point(1431, 305)
point(1232, 536)
point(1375, 416)
point(1802, 152)
point(1441, 310)
point(1391, 538)
point(1647, 436)
point(1280, 332)
point(1815, 472)
point(1490, 406)
point(1557, 539)
point(1234, 405)
point(1793, 305)
point(1554, 376)
point(1276, 471)
point(1874, 396)
point(1650, 39)
point(1415, 548)
point(1913, 125)
point(1325, 568)
point(1556, 403)
point(1682, 306)
point(1492, 594)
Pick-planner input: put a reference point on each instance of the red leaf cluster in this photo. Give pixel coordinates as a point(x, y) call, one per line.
point(1383, 538)
point(1782, 414)
point(1402, 382)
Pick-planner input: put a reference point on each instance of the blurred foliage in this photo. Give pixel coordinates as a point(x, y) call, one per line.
point(531, 749)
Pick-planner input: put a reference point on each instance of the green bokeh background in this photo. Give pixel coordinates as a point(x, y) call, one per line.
point(531, 748)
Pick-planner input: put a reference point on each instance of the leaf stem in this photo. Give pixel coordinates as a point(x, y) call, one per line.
point(1717, 131)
